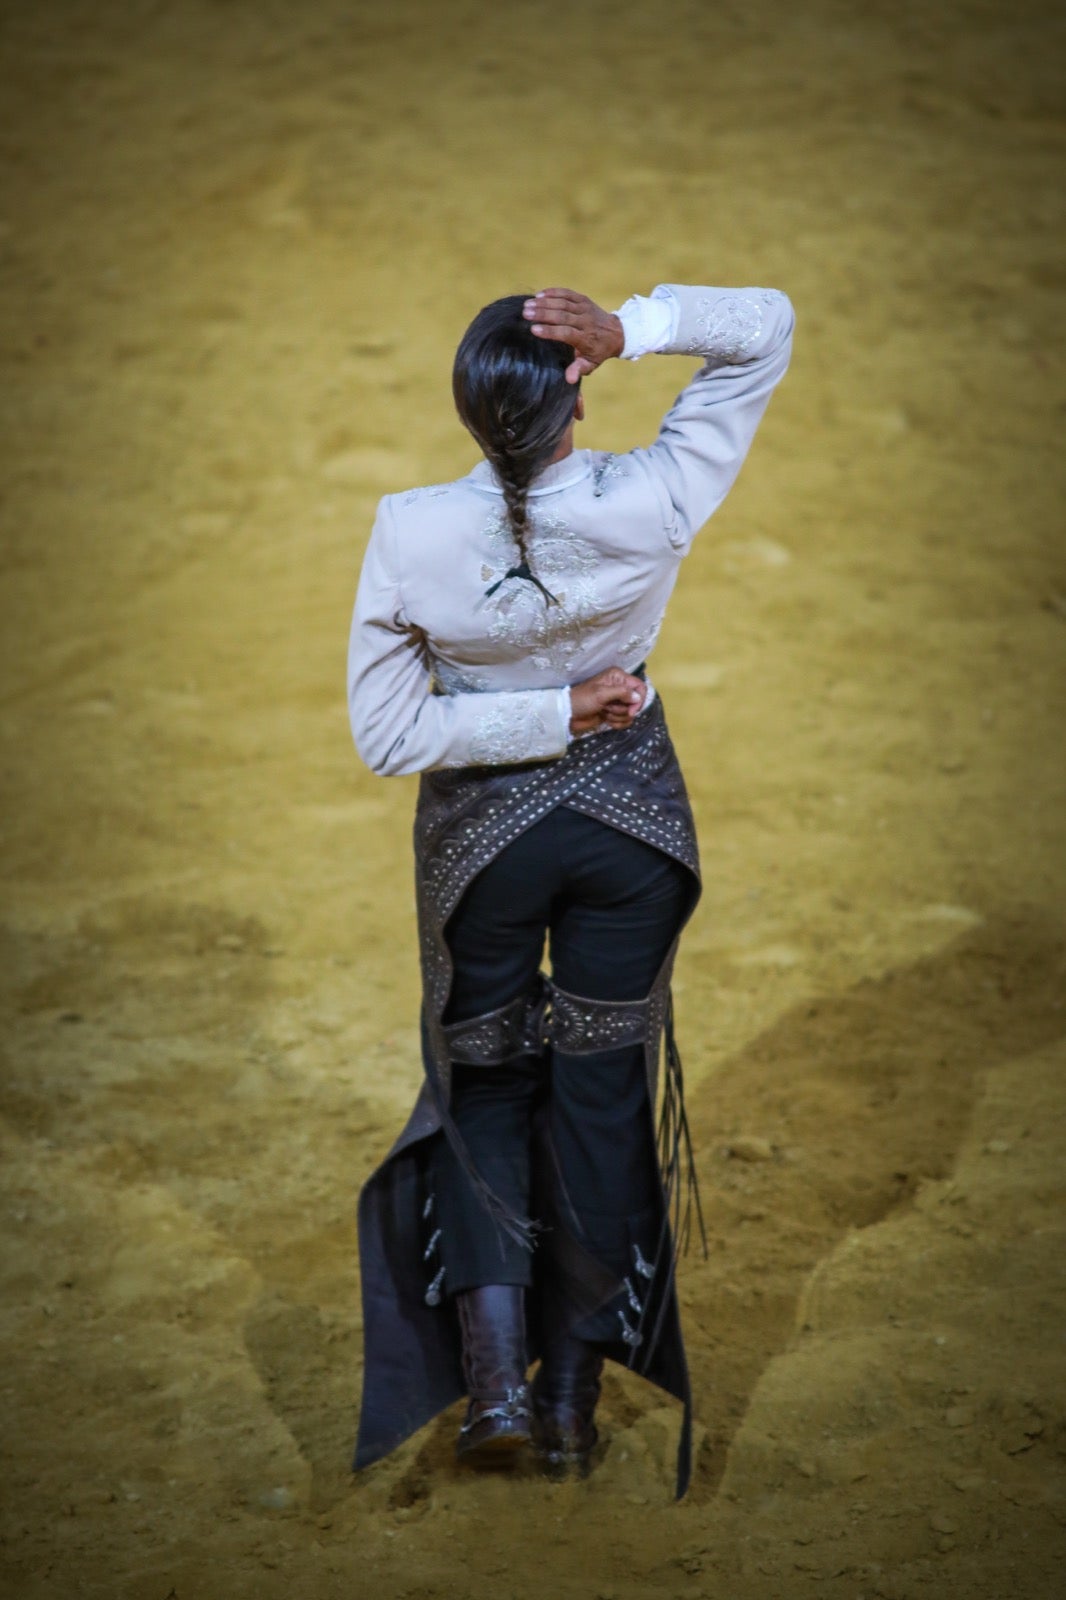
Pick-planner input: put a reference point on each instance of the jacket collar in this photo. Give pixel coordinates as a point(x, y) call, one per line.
point(560, 475)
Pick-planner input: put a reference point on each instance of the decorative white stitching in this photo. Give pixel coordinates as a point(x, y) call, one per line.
point(550, 638)
point(725, 327)
point(508, 731)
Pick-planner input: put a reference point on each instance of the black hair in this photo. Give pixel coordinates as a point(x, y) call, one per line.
point(511, 392)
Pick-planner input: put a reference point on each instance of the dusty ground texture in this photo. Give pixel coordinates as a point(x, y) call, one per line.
point(238, 244)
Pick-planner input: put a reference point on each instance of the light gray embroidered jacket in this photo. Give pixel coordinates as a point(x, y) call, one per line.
point(609, 534)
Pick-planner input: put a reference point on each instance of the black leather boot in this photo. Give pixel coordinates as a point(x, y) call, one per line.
point(565, 1391)
point(499, 1417)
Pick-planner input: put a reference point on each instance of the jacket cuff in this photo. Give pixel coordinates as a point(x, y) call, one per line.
point(729, 326)
point(566, 711)
point(649, 322)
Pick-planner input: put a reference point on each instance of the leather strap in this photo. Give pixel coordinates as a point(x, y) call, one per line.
point(516, 1029)
point(582, 1027)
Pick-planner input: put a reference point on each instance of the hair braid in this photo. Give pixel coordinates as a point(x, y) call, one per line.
point(515, 484)
point(511, 392)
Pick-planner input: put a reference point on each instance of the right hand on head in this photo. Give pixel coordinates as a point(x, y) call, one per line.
point(574, 319)
point(611, 699)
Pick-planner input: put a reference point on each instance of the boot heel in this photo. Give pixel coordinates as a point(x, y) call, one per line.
point(565, 1392)
point(495, 1430)
point(499, 1418)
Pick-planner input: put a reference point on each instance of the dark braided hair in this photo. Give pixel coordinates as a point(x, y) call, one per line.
point(511, 393)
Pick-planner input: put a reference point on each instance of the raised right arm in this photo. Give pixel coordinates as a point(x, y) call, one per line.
point(745, 339)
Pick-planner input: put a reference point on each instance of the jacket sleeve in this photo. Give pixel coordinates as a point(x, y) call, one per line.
point(745, 338)
point(399, 724)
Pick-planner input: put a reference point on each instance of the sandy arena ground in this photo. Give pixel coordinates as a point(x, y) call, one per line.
point(239, 242)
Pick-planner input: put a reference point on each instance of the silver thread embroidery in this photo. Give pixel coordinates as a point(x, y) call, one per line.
point(550, 638)
point(431, 491)
point(606, 469)
point(725, 327)
point(639, 646)
point(508, 732)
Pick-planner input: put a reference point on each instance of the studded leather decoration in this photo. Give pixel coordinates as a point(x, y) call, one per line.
point(580, 1027)
point(516, 1029)
point(628, 778)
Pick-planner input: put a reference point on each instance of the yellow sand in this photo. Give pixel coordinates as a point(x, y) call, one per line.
point(239, 242)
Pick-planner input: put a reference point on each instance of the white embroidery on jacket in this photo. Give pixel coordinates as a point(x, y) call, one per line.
point(639, 646)
point(549, 636)
point(507, 732)
point(429, 491)
point(725, 327)
point(607, 468)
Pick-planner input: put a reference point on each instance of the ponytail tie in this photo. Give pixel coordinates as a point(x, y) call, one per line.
point(522, 571)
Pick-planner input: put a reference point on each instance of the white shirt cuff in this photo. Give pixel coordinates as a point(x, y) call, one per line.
point(566, 710)
point(649, 322)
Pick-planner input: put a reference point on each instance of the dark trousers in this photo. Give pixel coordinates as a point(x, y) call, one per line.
point(610, 907)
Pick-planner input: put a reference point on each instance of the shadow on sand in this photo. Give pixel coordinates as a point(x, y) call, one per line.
point(861, 1097)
